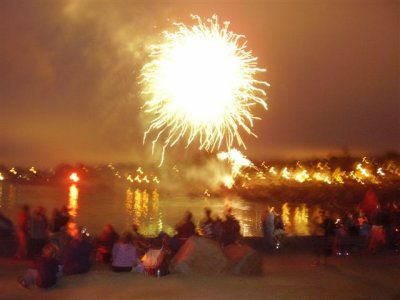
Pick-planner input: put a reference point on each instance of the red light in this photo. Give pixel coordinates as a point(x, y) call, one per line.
point(74, 177)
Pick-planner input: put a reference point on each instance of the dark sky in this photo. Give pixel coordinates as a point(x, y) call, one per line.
point(69, 91)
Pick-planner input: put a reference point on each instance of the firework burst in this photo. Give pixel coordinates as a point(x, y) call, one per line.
point(200, 86)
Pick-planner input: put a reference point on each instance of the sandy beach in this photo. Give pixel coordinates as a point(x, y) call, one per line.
point(287, 275)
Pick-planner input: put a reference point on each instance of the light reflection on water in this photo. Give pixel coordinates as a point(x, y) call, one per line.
point(124, 206)
point(73, 200)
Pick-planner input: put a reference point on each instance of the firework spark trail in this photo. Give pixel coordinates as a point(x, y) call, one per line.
point(236, 159)
point(237, 162)
point(200, 85)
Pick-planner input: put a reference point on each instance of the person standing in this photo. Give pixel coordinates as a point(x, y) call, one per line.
point(206, 225)
point(38, 232)
point(325, 244)
point(23, 228)
point(268, 227)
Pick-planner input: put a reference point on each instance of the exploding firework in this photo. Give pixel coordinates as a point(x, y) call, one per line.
point(237, 161)
point(200, 85)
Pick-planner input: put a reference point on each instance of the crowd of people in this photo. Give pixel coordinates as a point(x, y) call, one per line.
point(371, 228)
point(58, 247)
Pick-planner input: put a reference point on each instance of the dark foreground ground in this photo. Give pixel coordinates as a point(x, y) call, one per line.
point(288, 274)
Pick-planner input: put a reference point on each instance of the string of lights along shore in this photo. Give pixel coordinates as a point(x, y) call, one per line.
point(200, 87)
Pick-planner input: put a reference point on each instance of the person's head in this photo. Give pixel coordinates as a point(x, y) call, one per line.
point(64, 210)
point(207, 211)
point(108, 228)
point(188, 216)
point(26, 208)
point(229, 211)
point(135, 227)
point(39, 210)
point(126, 237)
point(49, 250)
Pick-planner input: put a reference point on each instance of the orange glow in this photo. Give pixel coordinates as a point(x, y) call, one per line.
point(364, 172)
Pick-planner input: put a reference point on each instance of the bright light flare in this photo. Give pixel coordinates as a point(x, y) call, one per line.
point(74, 177)
point(237, 162)
point(200, 84)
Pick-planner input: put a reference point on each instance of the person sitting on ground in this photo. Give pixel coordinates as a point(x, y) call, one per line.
point(45, 270)
point(76, 259)
point(124, 255)
point(105, 242)
point(156, 260)
point(139, 241)
point(61, 239)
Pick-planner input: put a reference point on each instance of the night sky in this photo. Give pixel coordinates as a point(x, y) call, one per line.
point(69, 76)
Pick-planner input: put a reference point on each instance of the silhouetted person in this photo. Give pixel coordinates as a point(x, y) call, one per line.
point(394, 226)
point(44, 271)
point(77, 253)
point(105, 242)
point(38, 232)
point(268, 228)
point(56, 222)
point(206, 225)
point(6, 235)
point(230, 229)
point(279, 230)
point(325, 243)
point(377, 231)
point(65, 216)
point(23, 229)
point(139, 241)
point(186, 229)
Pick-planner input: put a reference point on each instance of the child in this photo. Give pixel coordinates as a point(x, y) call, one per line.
point(44, 273)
